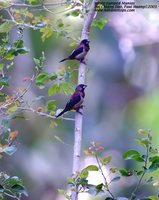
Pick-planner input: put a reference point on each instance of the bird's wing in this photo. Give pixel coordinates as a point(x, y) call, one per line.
point(76, 52)
point(75, 99)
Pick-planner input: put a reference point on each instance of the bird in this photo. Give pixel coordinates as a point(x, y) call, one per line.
point(75, 101)
point(80, 52)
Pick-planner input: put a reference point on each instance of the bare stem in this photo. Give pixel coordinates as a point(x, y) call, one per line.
point(144, 172)
point(104, 177)
point(78, 117)
point(30, 109)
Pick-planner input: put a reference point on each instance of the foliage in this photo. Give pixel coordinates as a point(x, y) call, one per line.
point(11, 187)
point(148, 163)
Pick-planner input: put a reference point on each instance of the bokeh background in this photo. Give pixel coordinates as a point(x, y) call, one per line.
point(122, 96)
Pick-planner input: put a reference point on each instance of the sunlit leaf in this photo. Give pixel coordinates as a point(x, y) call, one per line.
point(133, 154)
point(106, 160)
point(42, 78)
point(84, 172)
point(100, 23)
point(6, 27)
point(12, 108)
point(67, 88)
point(143, 141)
point(142, 132)
point(51, 105)
point(63, 193)
point(52, 90)
point(153, 198)
point(46, 32)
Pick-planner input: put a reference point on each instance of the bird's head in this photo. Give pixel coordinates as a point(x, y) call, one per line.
point(85, 42)
point(81, 87)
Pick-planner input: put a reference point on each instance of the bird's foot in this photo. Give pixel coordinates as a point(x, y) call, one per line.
point(79, 112)
point(83, 61)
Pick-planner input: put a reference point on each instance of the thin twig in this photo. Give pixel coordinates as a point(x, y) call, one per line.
point(30, 109)
point(39, 5)
point(104, 177)
point(144, 172)
point(12, 196)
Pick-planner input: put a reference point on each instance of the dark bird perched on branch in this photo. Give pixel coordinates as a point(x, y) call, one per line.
point(80, 52)
point(76, 100)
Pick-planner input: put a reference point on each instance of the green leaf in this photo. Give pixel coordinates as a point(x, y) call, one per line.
point(18, 117)
point(41, 79)
point(53, 77)
point(153, 150)
point(92, 168)
point(10, 65)
point(6, 27)
point(52, 90)
point(46, 32)
point(33, 2)
point(153, 198)
point(143, 141)
point(19, 189)
point(51, 105)
point(100, 23)
point(36, 61)
point(4, 81)
point(5, 124)
point(10, 150)
point(12, 108)
point(2, 95)
point(67, 89)
point(4, 4)
point(84, 172)
point(154, 163)
point(99, 188)
point(63, 193)
point(133, 154)
point(14, 180)
point(113, 170)
point(23, 50)
point(1, 66)
point(142, 132)
point(106, 160)
point(125, 172)
point(139, 173)
point(70, 180)
point(75, 13)
point(60, 23)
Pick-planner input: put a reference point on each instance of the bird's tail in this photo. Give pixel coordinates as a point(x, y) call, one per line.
point(61, 113)
point(63, 60)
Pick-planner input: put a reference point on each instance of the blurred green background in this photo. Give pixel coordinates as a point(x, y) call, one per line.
point(122, 96)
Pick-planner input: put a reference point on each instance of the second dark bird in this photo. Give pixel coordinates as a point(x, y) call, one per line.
point(80, 52)
point(76, 100)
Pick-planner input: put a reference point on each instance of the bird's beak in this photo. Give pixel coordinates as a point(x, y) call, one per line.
point(85, 86)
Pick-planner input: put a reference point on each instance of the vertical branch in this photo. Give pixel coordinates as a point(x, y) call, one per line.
point(78, 117)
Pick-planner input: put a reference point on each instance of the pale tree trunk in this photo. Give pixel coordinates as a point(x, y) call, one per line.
point(78, 117)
